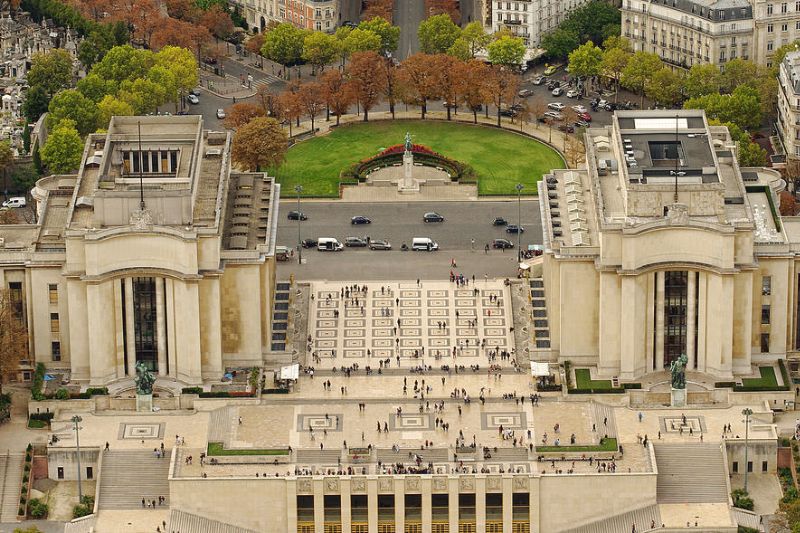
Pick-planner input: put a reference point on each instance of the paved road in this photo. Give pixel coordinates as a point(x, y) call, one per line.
point(400, 222)
point(408, 14)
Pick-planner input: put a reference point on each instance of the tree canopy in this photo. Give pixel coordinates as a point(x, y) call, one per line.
point(437, 34)
point(51, 70)
point(389, 35)
point(261, 143)
point(742, 107)
point(507, 50)
point(63, 150)
point(284, 44)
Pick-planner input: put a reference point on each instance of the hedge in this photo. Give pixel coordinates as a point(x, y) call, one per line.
point(226, 394)
point(274, 391)
point(548, 388)
point(596, 391)
point(629, 386)
point(45, 417)
point(192, 390)
point(724, 384)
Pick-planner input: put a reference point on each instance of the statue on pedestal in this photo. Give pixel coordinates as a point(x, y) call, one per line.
point(144, 379)
point(678, 370)
point(408, 143)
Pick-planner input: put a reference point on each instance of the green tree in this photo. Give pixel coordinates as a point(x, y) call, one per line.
point(702, 78)
point(95, 46)
point(24, 177)
point(559, 43)
point(124, 63)
point(737, 72)
point(71, 105)
point(63, 150)
point(460, 49)
point(182, 66)
point(261, 143)
point(390, 35)
point(51, 70)
point(284, 44)
point(507, 51)
point(320, 49)
point(615, 59)
point(640, 69)
point(476, 37)
point(111, 106)
point(95, 88)
point(143, 95)
point(586, 60)
point(594, 21)
point(617, 41)
point(742, 107)
point(36, 102)
point(437, 34)
point(360, 40)
point(780, 53)
point(664, 87)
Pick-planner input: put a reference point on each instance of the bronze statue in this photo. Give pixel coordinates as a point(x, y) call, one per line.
point(144, 379)
point(408, 142)
point(678, 370)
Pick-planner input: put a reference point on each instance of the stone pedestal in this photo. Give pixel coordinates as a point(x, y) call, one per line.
point(408, 184)
point(678, 398)
point(144, 403)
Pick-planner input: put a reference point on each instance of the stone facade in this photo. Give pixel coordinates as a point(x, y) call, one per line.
point(788, 125)
point(528, 19)
point(320, 15)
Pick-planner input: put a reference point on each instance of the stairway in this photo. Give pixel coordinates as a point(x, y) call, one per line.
point(127, 476)
point(691, 473)
point(541, 328)
point(280, 316)
point(604, 412)
point(319, 457)
point(192, 523)
point(219, 425)
point(643, 518)
point(11, 471)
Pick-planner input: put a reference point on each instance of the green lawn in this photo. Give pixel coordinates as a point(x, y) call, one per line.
point(216, 448)
point(500, 158)
point(584, 381)
point(608, 445)
point(36, 424)
point(767, 379)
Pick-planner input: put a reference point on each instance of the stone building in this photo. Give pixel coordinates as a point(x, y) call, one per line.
point(664, 246)
point(528, 19)
point(320, 15)
point(154, 251)
point(788, 125)
point(687, 32)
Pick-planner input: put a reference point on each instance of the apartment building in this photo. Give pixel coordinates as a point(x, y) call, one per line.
point(788, 125)
point(320, 15)
point(529, 19)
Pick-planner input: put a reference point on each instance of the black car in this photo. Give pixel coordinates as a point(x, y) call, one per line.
point(297, 215)
point(502, 244)
point(513, 228)
point(499, 221)
point(309, 243)
point(508, 113)
point(355, 242)
point(432, 217)
point(360, 220)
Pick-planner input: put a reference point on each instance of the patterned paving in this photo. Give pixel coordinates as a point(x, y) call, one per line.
point(433, 323)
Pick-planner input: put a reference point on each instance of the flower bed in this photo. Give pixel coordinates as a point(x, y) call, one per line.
point(422, 154)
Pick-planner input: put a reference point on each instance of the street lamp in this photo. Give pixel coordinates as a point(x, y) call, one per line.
point(519, 188)
point(747, 412)
point(298, 189)
point(77, 420)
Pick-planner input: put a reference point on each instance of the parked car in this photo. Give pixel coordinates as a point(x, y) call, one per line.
point(221, 113)
point(524, 93)
point(579, 108)
point(309, 243)
point(355, 242)
point(499, 221)
point(297, 215)
point(556, 106)
point(567, 128)
point(358, 219)
point(558, 91)
point(195, 91)
point(513, 228)
point(553, 115)
point(380, 245)
point(15, 201)
point(517, 106)
point(572, 93)
point(550, 70)
point(432, 217)
point(193, 99)
point(580, 123)
point(538, 80)
point(585, 116)
point(502, 244)
point(508, 113)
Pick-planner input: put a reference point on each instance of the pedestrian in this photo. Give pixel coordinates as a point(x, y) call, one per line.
point(240, 420)
point(106, 445)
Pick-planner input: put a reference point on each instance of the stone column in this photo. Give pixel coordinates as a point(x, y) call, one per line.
point(117, 286)
point(372, 505)
point(291, 505)
point(480, 504)
point(211, 329)
point(452, 504)
point(399, 506)
point(161, 327)
point(78, 329)
point(508, 504)
point(427, 505)
point(650, 330)
point(171, 343)
point(344, 499)
point(702, 314)
point(130, 327)
point(691, 314)
point(659, 321)
point(100, 309)
point(319, 505)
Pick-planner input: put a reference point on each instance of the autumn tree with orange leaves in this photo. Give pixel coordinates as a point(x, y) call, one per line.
point(241, 113)
point(367, 79)
point(337, 92)
point(420, 75)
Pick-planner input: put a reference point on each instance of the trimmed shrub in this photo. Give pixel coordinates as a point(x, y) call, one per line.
point(37, 508)
point(97, 391)
point(62, 394)
point(46, 417)
point(724, 384)
point(742, 500)
point(628, 386)
point(192, 390)
point(38, 383)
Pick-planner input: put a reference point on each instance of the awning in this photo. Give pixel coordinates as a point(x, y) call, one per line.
point(524, 266)
point(290, 372)
point(540, 369)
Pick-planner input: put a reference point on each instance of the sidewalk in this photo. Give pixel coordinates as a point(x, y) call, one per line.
point(228, 87)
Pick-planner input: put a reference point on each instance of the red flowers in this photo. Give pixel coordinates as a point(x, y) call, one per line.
point(415, 148)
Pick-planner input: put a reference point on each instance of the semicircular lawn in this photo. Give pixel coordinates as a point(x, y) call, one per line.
point(501, 159)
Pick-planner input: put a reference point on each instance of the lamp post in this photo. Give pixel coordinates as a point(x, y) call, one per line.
point(77, 420)
point(519, 188)
point(298, 189)
point(747, 412)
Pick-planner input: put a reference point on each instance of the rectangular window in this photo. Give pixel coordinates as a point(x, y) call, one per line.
point(765, 343)
point(765, 314)
point(784, 7)
point(144, 321)
point(785, 27)
point(52, 293)
point(797, 6)
point(55, 350)
point(735, 467)
point(769, 48)
point(764, 466)
point(54, 326)
point(766, 285)
point(770, 28)
point(769, 9)
point(749, 466)
point(675, 306)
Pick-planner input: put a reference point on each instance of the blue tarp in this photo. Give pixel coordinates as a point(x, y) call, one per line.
point(49, 377)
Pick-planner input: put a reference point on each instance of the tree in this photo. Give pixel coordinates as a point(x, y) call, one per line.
point(538, 107)
point(617, 41)
point(320, 49)
point(421, 77)
point(261, 143)
point(241, 113)
point(182, 66)
point(460, 50)
point(64, 148)
point(51, 70)
point(218, 22)
point(284, 44)
point(6, 159)
point(94, 47)
point(360, 40)
point(24, 177)
point(437, 34)
point(615, 60)
point(586, 61)
point(640, 69)
point(736, 72)
point(337, 93)
point(392, 84)
point(474, 74)
point(266, 100)
point(664, 87)
point(181, 34)
point(702, 79)
point(367, 79)
point(780, 53)
point(311, 99)
point(71, 105)
point(390, 35)
point(123, 63)
point(788, 204)
point(142, 94)
point(594, 21)
point(36, 102)
point(111, 106)
point(451, 80)
point(559, 43)
point(476, 37)
point(289, 106)
point(748, 153)
point(255, 43)
point(742, 107)
point(501, 88)
point(507, 51)
point(13, 334)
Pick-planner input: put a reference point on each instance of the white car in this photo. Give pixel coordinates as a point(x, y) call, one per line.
point(555, 115)
point(14, 201)
point(193, 99)
point(557, 106)
point(579, 109)
point(558, 91)
point(572, 93)
point(220, 113)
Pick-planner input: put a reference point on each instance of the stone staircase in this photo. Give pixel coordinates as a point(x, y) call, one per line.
point(128, 476)
point(604, 412)
point(691, 473)
point(643, 518)
point(219, 425)
point(192, 523)
point(319, 457)
point(11, 472)
point(432, 455)
point(280, 316)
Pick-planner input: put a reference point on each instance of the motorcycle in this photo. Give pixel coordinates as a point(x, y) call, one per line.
point(404, 247)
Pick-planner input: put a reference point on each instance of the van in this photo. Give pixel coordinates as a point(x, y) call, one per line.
point(15, 201)
point(329, 244)
point(425, 244)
